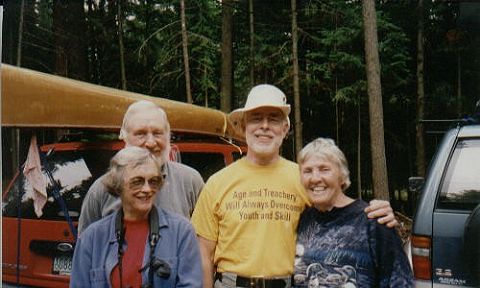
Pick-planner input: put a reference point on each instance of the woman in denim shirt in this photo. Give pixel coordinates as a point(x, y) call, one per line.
point(139, 245)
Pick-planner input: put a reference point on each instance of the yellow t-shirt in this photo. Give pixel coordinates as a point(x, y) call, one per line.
point(252, 213)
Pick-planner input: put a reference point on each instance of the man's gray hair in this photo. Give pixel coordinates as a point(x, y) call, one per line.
point(326, 149)
point(131, 156)
point(142, 106)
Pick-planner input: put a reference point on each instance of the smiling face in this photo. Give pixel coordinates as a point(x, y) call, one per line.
point(323, 182)
point(148, 129)
point(265, 129)
point(141, 183)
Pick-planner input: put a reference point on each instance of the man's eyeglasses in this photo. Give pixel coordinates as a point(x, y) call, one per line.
point(137, 183)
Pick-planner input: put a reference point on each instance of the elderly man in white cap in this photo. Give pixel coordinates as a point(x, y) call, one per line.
point(247, 213)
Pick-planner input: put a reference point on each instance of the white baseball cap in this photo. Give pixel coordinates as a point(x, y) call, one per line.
point(264, 95)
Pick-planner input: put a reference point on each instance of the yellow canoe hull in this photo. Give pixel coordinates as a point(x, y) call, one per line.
point(35, 99)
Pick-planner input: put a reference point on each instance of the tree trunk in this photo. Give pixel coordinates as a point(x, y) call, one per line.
point(20, 34)
point(205, 77)
point(92, 55)
point(186, 60)
point(252, 43)
point(69, 32)
point(359, 152)
point(60, 11)
point(10, 36)
point(337, 113)
point(123, 77)
point(77, 48)
point(226, 81)
point(420, 140)
point(15, 134)
point(379, 165)
point(296, 85)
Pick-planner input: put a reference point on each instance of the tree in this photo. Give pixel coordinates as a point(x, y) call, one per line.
point(252, 42)
point(69, 33)
point(296, 85)
point(15, 133)
point(420, 142)
point(123, 77)
point(377, 144)
point(330, 56)
point(59, 30)
point(204, 53)
point(226, 81)
point(186, 60)
point(20, 33)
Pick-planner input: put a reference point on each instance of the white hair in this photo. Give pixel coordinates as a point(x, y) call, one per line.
point(325, 148)
point(142, 106)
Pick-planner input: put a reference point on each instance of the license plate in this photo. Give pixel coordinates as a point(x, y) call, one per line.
point(62, 265)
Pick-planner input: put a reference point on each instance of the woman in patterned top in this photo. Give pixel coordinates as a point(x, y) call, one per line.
point(337, 245)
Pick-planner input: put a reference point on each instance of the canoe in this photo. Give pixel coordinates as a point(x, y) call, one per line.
point(35, 99)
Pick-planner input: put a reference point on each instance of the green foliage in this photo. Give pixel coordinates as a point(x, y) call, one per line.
point(333, 83)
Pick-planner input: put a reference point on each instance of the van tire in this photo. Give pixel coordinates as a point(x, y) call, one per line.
point(471, 239)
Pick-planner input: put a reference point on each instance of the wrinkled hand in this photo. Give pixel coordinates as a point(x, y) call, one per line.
point(382, 210)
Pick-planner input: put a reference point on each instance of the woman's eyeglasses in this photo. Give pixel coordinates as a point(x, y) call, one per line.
point(137, 183)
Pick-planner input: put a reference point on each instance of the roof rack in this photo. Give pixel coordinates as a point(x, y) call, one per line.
point(446, 124)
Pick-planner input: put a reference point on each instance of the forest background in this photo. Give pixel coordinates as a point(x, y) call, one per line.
point(211, 53)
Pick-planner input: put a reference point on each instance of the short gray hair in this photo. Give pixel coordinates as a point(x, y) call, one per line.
point(326, 149)
point(141, 106)
point(131, 156)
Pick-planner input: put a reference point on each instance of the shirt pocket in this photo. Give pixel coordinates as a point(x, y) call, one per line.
point(98, 278)
point(160, 275)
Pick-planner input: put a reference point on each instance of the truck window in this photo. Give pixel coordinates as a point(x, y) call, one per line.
point(205, 163)
point(74, 170)
point(460, 189)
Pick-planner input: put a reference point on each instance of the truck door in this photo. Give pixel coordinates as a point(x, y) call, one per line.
point(459, 194)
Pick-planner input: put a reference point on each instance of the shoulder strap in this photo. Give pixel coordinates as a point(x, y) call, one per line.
point(153, 221)
point(153, 237)
point(119, 229)
point(120, 235)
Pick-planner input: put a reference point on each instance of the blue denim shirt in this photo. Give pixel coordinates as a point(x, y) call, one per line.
point(96, 253)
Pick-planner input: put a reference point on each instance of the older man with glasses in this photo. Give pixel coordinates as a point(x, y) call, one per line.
point(247, 214)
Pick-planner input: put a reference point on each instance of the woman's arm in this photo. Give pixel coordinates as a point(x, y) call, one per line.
point(392, 266)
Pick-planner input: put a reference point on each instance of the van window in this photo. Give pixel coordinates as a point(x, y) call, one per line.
point(73, 170)
point(460, 189)
point(205, 163)
point(237, 155)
